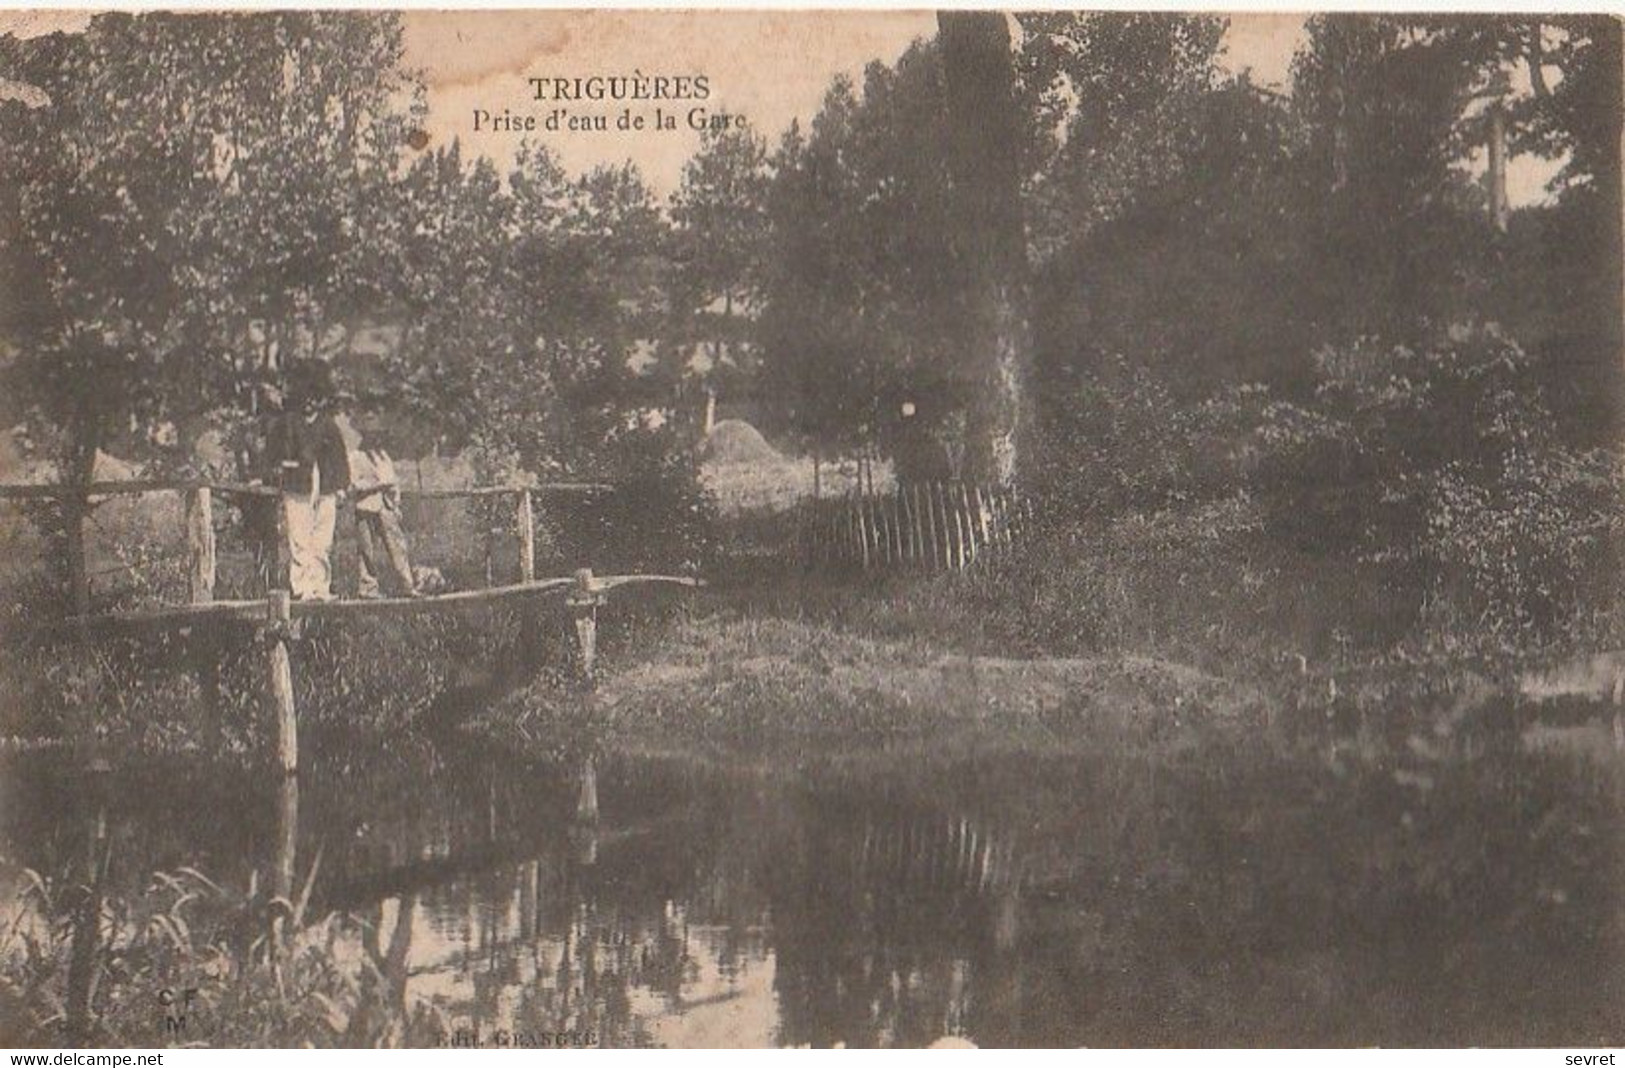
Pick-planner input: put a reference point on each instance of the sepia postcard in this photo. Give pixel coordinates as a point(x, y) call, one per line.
point(545, 529)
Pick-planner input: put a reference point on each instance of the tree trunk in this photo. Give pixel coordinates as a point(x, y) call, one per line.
point(1535, 52)
point(81, 471)
point(1497, 173)
point(984, 165)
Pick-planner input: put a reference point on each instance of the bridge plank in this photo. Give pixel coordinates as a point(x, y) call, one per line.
point(189, 614)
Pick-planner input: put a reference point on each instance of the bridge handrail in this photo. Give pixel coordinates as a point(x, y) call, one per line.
point(127, 487)
point(199, 516)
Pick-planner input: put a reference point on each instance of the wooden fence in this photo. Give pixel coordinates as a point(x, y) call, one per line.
point(276, 618)
point(200, 526)
point(926, 526)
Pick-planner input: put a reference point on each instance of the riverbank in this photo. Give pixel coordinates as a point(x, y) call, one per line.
point(731, 683)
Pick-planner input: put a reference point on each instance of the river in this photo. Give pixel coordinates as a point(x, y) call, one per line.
point(1016, 897)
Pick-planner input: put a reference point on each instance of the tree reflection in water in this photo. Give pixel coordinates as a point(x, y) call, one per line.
point(1102, 899)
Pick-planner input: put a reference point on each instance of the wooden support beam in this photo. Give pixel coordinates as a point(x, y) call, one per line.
point(525, 522)
point(200, 555)
point(279, 688)
point(285, 862)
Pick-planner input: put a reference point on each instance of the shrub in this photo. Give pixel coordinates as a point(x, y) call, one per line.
point(659, 515)
point(1430, 484)
point(1442, 465)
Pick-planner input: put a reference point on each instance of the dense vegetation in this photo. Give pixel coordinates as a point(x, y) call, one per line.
point(1281, 340)
point(1303, 327)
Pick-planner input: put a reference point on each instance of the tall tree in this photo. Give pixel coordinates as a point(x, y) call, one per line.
point(193, 195)
point(720, 219)
point(984, 152)
point(1105, 97)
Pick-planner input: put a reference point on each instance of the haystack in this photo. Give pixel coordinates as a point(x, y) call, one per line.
point(734, 441)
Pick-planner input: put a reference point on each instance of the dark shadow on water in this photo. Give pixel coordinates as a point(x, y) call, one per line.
point(1100, 898)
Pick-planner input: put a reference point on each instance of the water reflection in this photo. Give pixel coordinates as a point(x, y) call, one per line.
point(1010, 899)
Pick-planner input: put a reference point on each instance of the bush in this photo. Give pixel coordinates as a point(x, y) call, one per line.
point(659, 517)
point(1428, 487)
point(1119, 441)
point(1443, 466)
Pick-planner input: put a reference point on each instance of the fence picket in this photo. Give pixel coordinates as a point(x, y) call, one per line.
point(863, 528)
point(945, 538)
point(946, 525)
point(961, 524)
point(930, 528)
point(916, 524)
point(981, 515)
point(970, 526)
point(894, 502)
point(882, 529)
point(926, 525)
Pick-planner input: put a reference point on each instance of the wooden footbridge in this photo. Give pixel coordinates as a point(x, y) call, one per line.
point(276, 618)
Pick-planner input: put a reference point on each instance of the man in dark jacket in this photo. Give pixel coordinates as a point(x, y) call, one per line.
point(312, 470)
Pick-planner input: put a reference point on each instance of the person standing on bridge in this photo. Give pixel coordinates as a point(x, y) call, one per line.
point(376, 491)
point(313, 470)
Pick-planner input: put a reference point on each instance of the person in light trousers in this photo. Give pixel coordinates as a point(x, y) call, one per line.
point(376, 491)
point(313, 470)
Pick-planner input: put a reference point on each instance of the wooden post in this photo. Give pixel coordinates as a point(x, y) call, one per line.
point(584, 606)
point(200, 544)
point(85, 944)
point(284, 861)
point(525, 520)
point(587, 800)
point(282, 559)
point(279, 629)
